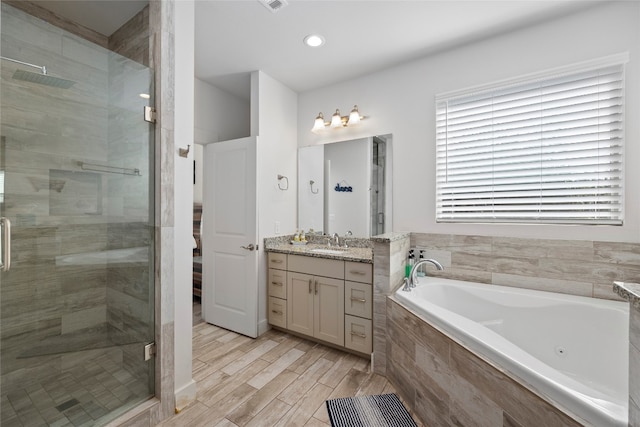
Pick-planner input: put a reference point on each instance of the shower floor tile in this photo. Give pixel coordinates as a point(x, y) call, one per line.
point(79, 396)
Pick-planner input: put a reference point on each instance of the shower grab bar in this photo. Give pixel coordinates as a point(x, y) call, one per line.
point(6, 244)
point(108, 169)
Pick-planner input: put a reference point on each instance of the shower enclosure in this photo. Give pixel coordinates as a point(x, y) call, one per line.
point(76, 201)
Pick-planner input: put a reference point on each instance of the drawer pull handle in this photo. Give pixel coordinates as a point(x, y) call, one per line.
point(358, 299)
point(277, 261)
point(276, 312)
point(358, 334)
point(276, 283)
point(316, 287)
point(360, 273)
point(310, 280)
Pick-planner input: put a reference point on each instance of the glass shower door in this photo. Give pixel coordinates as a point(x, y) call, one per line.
point(76, 185)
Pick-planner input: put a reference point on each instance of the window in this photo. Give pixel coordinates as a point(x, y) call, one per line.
point(545, 150)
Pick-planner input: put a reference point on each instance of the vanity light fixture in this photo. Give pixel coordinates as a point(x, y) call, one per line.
point(337, 120)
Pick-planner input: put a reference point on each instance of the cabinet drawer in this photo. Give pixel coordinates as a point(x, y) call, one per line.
point(357, 299)
point(277, 283)
point(316, 266)
point(277, 260)
point(358, 334)
point(358, 272)
point(278, 312)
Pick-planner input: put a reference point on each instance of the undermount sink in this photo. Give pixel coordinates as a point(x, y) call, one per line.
point(328, 251)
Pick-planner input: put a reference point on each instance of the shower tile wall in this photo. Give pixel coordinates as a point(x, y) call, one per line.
point(90, 296)
point(36, 125)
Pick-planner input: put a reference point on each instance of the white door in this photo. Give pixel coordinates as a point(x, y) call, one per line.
point(229, 227)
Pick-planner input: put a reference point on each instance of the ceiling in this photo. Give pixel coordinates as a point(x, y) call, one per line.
point(103, 16)
point(236, 37)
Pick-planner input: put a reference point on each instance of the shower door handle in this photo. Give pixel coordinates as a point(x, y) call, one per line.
point(6, 244)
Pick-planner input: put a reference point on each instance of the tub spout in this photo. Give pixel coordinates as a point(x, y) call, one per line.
point(412, 275)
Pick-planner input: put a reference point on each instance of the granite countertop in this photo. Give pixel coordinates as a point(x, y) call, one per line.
point(346, 254)
point(628, 291)
point(390, 237)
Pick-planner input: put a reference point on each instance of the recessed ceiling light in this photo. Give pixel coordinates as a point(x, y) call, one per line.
point(145, 96)
point(314, 40)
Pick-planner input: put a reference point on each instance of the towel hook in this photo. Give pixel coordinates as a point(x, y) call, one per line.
point(311, 184)
point(280, 178)
point(184, 152)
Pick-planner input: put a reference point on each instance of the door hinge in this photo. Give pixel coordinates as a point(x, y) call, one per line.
point(149, 114)
point(149, 351)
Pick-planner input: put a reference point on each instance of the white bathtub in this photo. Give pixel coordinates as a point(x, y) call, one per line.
point(573, 350)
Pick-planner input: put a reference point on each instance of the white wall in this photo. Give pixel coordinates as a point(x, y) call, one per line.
point(350, 166)
point(274, 122)
point(311, 204)
point(185, 387)
point(400, 101)
point(219, 115)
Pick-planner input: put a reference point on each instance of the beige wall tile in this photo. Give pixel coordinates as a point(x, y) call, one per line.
point(543, 284)
point(634, 326)
point(523, 405)
point(605, 291)
point(634, 373)
point(618, 253)
point(469, 407)
point(522, 266)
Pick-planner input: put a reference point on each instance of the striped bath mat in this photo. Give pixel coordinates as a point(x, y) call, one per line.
point(382, 410)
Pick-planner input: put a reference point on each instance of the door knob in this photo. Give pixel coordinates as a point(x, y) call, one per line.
point(249, 248)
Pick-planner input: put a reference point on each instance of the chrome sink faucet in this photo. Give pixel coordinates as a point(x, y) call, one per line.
point(347, 234)
point(335, 238)
point(410, 282)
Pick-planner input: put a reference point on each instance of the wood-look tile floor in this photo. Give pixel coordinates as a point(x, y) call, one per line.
point(274, 380)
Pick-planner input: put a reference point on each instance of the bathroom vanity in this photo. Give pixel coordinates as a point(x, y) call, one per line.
point(322, 294)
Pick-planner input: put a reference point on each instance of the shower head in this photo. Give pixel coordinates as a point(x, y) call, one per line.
point(43, 79)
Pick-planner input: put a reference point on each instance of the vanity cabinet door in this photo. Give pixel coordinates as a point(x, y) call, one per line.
point(358, 334)
point(358, 272)
point(329, 310)
point(278, 312)
point(300, 292)
point(277, 260)
point(277, 283)
point(358, 299)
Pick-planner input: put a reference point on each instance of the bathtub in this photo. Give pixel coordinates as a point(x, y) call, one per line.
point(570, 350)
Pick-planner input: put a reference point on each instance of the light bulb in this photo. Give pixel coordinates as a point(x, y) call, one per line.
point(336, 120)
point(354, 116)
point(318, 125)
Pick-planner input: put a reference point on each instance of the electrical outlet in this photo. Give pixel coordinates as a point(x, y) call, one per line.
point(276, 227)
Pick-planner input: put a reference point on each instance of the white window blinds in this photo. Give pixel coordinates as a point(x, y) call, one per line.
point(548, 150)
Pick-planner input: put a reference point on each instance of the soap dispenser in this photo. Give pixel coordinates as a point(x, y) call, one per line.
point(410, 262)
point(421, 272)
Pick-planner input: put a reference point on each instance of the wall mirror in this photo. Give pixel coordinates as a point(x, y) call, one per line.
point(346, 186)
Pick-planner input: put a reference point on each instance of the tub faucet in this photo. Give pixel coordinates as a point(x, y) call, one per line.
point(412, 275)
